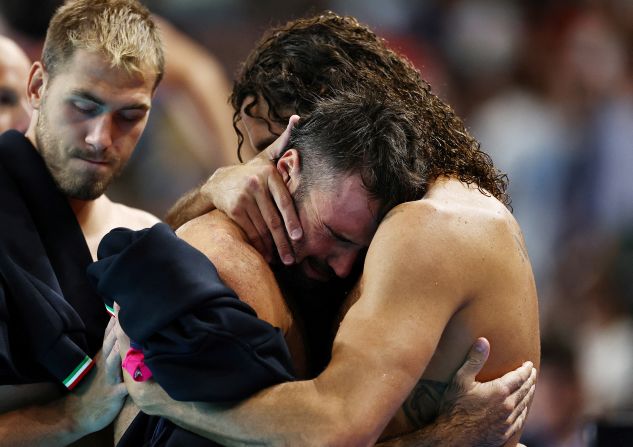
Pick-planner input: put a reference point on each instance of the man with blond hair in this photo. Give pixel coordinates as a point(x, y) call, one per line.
point(91, 94)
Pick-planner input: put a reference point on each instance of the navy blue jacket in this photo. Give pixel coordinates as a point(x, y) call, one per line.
point(51, 319)
point(201, 342)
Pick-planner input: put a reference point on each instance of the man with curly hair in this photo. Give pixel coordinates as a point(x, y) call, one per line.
point(445, 266)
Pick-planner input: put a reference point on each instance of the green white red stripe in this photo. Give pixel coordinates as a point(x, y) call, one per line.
point(78, 373)
point(110, 310)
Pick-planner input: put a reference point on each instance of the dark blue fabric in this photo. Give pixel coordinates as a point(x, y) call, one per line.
point(50, 316)
point(200, 341)
point(154, 431)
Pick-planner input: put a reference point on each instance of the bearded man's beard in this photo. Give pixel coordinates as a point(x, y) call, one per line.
point(81, 185)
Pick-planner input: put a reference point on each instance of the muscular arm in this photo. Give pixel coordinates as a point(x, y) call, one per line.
point(380, 352)
point(207, 86)
point(193, 204)
point(376, 361)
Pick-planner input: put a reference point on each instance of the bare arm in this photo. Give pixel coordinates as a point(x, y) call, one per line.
point(194, 70)
point(91, 407)
point(377, 358)
point(500, 405)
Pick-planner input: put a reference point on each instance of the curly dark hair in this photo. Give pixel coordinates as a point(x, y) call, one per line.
point(306, 60)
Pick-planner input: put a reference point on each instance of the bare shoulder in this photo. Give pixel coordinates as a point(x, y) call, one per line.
point(452, 213)
point(223, 242)
point(132, 218)
point(454, 229)
point(219, 237)
point(239, 265)
point(211, 225)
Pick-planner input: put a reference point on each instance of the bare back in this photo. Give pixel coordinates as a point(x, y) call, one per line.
point(460, 257)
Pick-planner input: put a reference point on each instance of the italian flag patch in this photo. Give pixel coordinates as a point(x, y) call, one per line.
point(78, 373)
point(110, 310)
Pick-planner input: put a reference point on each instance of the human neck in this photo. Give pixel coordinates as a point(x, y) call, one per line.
point(89, 212)
point(30, 132)
point(81, 208)
point(91, 216)
point(84, 210)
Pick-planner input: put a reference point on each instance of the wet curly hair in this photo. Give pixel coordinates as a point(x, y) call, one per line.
point(296, 65)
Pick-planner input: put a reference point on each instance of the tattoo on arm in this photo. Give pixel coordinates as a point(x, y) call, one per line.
point(423, 404)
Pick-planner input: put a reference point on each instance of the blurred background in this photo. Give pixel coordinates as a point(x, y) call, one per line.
point(546, 86)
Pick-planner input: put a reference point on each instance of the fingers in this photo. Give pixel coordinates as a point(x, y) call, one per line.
point(249, 210)
point(285, 205)
point(113, 365)
point(266, 213)
point(274, 150)
point(514, 380)
point(255, 196)
point(475, 360)
point(109, 327)
point(282, 219)
point(109, 338)
point(276, 231)
point(262, 239)
point(123, 341)
point(518, 423)
point(522, 393)
point(522, 398)
point(251, 222)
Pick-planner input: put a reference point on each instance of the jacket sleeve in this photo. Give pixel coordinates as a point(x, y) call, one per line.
point(199, 339)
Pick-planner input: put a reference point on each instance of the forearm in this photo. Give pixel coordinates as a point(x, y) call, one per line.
point(452, 429)
point(209, 77)
point(349, 404)
point(286, 414)
point(124, 419)
point(442, 432)
point(188, 207)
point(39, 425)
point(212, 422)
point(277, 416)
point(207, 85)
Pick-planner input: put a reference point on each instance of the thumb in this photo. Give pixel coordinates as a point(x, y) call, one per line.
point(475, 361)
point(281, 142)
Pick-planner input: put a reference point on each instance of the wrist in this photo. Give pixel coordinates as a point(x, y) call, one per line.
point(69, 425)
point(205, 194)
point(442, 433)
